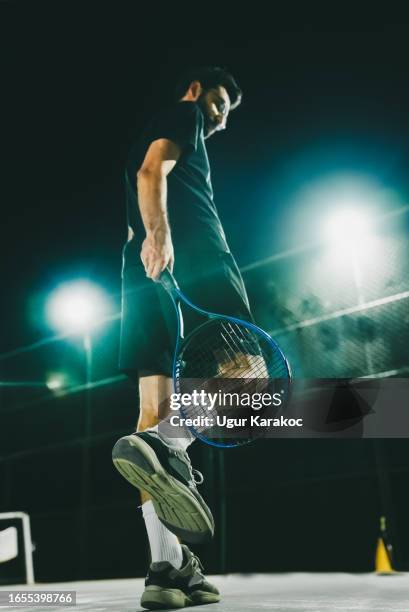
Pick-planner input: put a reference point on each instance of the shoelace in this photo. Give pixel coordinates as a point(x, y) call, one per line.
point(197, 477)
point(185, 457)
point(196, 564)
point(200, 476)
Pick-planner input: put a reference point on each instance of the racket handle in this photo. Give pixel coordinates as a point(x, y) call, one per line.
point(168, 281)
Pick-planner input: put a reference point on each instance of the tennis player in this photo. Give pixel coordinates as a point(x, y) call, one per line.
point(173, 222)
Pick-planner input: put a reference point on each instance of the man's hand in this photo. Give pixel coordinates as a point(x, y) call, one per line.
point(157, 252)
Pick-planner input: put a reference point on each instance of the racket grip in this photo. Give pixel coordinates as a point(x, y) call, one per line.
point(168, 281)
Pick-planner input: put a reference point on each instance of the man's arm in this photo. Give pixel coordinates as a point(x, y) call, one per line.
point(157, 248)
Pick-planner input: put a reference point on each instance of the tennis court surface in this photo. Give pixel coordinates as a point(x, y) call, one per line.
point(244, 592)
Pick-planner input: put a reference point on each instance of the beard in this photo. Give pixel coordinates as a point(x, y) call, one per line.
point(209, 125)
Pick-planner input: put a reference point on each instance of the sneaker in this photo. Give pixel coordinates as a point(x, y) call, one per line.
point(168, 587)
point(167, 475)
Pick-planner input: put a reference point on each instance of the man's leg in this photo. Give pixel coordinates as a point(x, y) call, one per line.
point(165, 587)
point(154, 393)
point(156, 462)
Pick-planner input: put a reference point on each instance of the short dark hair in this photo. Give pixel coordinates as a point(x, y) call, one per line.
point(209, 78)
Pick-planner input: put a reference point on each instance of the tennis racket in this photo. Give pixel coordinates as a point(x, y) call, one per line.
point(224, 365)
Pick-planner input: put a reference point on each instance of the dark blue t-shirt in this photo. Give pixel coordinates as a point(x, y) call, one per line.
point(194, 221)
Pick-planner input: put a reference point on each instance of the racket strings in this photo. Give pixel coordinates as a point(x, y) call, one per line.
point(247, 348)
point(231, 351)
point(231, 356)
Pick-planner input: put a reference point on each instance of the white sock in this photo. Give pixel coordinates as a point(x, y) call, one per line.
point(163, 543)
point(164, 429)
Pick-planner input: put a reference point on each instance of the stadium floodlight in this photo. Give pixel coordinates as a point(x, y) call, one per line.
point(350, 234)
point(76, 307)
point(55, 382)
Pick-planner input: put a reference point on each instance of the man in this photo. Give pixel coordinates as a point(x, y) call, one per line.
point(173, 222)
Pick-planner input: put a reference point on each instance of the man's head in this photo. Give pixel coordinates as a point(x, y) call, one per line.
point(214, 90)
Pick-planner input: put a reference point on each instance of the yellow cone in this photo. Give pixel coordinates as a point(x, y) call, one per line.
point(382, 562)
point(384, 552)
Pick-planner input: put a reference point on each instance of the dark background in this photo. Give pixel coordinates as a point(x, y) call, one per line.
point(79, 80)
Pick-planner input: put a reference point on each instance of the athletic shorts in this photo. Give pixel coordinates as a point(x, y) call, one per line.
point(211, 281)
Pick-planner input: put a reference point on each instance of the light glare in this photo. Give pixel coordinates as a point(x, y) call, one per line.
point(349, 232)
point(76, 307)
point(55, 382)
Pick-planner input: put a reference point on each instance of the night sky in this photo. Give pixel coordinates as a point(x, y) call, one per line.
point(79, 83)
